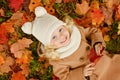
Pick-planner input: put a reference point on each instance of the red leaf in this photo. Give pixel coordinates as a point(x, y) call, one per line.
point(3, 36)
point(15, 4)
point(66, 1)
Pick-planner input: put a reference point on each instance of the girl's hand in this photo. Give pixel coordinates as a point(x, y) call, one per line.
point(88, 70)
point(99, 49)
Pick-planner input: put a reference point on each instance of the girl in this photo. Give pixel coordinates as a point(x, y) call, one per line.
point(66, 46)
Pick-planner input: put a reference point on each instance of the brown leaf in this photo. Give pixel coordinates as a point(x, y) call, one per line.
point(81, 9)
point(18, 48)
point(5, 68)
point(25, 69)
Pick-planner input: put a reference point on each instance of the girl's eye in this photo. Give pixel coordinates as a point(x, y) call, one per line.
point(53, 37)
point(60, 30)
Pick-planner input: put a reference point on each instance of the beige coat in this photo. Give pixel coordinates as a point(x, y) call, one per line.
point(71, 67)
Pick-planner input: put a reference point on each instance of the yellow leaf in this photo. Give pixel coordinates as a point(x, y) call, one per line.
point(106, 38)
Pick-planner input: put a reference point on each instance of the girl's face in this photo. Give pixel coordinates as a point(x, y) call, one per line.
point(60, 37)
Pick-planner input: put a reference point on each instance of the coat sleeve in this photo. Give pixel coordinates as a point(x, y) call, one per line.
point(65, 73)
point(94, 35)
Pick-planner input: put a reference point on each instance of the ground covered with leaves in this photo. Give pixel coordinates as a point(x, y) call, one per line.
point(18, 52)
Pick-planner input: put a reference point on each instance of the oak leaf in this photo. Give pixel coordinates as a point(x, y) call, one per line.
point(18, 48)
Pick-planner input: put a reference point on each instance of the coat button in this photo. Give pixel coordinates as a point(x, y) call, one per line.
point(82, 59)
point(87, 48)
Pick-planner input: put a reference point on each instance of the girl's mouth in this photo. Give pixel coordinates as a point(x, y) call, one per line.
point(64, 40)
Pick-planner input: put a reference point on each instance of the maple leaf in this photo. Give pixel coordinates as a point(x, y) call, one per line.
point(25, 57)
point(18, 48)
point(5, 67)
point(25, 69)
point(81, 9)
point(33, 4)
point(15, 5)
point(8, 27)
point(97, 17)
point(107, 14)
point(18, 76)
point(16, 18)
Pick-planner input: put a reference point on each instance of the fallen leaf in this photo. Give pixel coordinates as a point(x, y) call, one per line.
point(2, 12)
point(97, 17)
point(117, 13)
point(107, 14)
point(18, 76)
point(1, 60)
point(33, 4)
point(15, 5)
point(25, 69)
point(3, 36)
point(25, 57)
point(8, 27)
point(18, 48)
point(106, 38)
point(66, 1)
point(82, 9)
point(5, 67)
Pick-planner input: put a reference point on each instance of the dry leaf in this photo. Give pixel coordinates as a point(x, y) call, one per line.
point(25, 69)
point(81, 9)
point(18, 76)
point(97, 17)
point(18, 48)
point(25, 57)
point(1, 59)
point(33, 4)
point(15, 4)
point(5, 68)
point(2, 12)
point(107, 14)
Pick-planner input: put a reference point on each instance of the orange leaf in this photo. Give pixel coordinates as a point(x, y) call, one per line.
point(18, 48)
point(3, 36)
point(5, 67)
point(33, 4)
point(81, 9)
point(97, 17)
point(25, 69)
point(1, 60)
point(25, 58)
point(18, 76)
point(2, 12)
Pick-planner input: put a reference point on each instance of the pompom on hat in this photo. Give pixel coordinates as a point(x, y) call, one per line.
point(42, 26)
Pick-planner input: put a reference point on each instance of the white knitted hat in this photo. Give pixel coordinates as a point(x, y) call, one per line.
point(43, 25)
